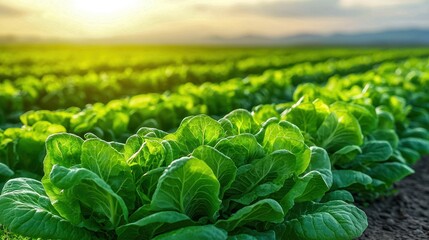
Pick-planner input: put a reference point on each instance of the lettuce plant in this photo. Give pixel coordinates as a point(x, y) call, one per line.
point(369, 156)
point(20, 150)
point(232, 178)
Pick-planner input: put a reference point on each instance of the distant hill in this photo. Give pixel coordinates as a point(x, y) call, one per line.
point(387, 37)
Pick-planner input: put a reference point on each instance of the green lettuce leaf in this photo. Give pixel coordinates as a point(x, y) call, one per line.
point(195, 232)
point(418, 144)
point(267, 210)
point(248, 234)
point(343, 195)
point(222, 166)
point(62, 150)
point(345, 155)
point(242, 149)
point(87, 200)
point(365, 114)
point(307, 116)
point(154, 224)
point(241, 122)
point(196, 131)
point(339, 130)
point(334, 220)
point(286, 136)
point(388, 135)
point(346, 178)
point(375, 151)
point(316, 181)
point(390, 172)
point(5, 171)
point(149, 153)
point(109, 164)
point(188, 186)
point(27, 210)
point(262, 177)
point(147, 184)
point(262, 113)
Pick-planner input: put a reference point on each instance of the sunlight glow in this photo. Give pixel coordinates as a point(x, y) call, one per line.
point(104, 8)
point(103, 17)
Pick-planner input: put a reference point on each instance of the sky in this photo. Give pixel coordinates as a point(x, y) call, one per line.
point(192, 19)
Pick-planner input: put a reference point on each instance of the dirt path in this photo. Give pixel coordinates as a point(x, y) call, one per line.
point(405, 215)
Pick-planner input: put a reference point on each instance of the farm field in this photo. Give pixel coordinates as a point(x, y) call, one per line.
point(173, 142)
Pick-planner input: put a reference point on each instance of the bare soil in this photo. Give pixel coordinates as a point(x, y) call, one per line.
point(406, 214)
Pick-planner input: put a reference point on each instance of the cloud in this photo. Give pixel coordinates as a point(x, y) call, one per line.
point(7, 11)
point(379, 3)
point(326, 15)
point(411, 15)
point(287, 9)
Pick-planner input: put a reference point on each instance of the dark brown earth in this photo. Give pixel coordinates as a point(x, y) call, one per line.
point(404, 215)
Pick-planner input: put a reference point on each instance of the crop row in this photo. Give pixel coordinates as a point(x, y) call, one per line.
point(64, 61)
point(289, 170)
point(21, 61)
point(52, 92)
